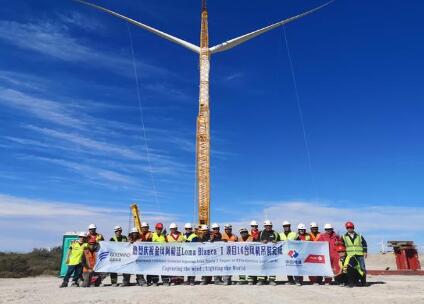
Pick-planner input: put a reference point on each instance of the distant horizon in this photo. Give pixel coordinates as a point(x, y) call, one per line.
point(345, 146)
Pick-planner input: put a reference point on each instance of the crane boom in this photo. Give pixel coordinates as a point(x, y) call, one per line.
point(136, 216)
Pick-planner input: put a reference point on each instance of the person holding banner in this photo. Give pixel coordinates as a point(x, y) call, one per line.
point(204, 237)
point(228, 236)
point(314, 236)
point(254, 231)
point(268, 235)
point(118, 237)
point(333, 241)
point(190, 237)
point(175, 236)
point(245, 237)
point(301, 236)
point(216, 236)
point(74, 260)
point(158, 237)
point(287, 235)
point(134, 236)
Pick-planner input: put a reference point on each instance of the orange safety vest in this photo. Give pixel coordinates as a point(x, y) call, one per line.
point(146, 237)
point(305, 237)
point(232, 238)
point(313, 237)
point(90, 260)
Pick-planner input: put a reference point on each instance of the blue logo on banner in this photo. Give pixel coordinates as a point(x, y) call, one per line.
point(103, 255)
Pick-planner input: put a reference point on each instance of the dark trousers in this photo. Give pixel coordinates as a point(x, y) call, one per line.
point(76, 270)
point(88, 277)
point(351, 277)
point(114, 278)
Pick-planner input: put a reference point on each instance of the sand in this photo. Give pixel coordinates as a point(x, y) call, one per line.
point(382, 289)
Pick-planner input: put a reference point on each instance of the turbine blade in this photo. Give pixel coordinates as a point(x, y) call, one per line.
point(239, 40)
point(161, 34)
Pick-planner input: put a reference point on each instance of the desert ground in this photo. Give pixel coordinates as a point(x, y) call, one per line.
point(382, 289)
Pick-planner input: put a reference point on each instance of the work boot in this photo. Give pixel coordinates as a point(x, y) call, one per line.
point(260, 283)
point(241, 283)
point(272, 283)
point(64, 284)
point(74, 284)
point(251, 283)
point(204, 283)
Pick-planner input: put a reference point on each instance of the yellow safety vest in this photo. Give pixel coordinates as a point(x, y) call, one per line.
point(170, 239)
point(77, 252)
point(158, 238)
point(355, 247)
point(291, 236)
point(343, 265)
point(190, 237)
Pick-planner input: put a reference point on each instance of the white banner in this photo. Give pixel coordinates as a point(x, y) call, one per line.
point(205, 259)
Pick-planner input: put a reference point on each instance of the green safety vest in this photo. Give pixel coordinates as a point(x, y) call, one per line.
point(77, 251)
point(343, 266)
point(291, 236)
point(158, 238)
point(123, 239)
point(355, 247)
point(190, 237)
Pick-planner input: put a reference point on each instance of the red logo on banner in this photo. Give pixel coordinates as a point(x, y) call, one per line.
point(315, 258)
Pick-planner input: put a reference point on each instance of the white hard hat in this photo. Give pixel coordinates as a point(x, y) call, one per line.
point(313, 225)
point(117, 227)
point(82, 234)
point(228, 226)
point(301, 226)
point(144, 224)
point(328, 226)
point(267, 223)
point(253, 223)
point(172, 226)
point(286, 223)
point(92, 226)
point(204, 227)
point(188, 226)
point(133, 230)
point(214, 225)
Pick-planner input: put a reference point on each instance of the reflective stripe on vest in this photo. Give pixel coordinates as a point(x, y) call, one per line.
point(123, 239)
point(291, 236)
point(190, 237)
point(158, 238)
point(355, 247)
point(344, 265)
point(170, 238)
point(313, 237)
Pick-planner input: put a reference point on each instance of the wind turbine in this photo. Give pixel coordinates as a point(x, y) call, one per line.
point(203, 118)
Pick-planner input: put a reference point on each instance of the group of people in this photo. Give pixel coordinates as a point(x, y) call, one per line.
point(347, 253)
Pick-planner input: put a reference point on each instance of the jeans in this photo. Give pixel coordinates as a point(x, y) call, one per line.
point(361, 260)
point(73, 269)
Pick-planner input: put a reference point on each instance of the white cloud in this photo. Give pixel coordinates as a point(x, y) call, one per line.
point(37, 223)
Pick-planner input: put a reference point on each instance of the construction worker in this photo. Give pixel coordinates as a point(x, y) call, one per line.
point(333, 241)
point(146, 234)
point(216, 236)
point(268, 235)
point(351, 272)
point(356, 245)
point(175, 236)
point(92, 234)
point(88, 262)
point(159, 236)
point(74, 260)
point(314, 235)
point(190, 237)
point(254, 231)
point(118, 237)
point(204, 237)
point(288, 235)
point(245, 237)
point(301, 236)
point(134, 236)
point(228, 236)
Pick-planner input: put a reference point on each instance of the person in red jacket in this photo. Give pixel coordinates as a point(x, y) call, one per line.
point(333, 241)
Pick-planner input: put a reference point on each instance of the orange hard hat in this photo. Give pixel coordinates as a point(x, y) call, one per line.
point(341, 248)
point(349, 225)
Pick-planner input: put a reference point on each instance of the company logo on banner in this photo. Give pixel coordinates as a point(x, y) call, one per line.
point(219, 258)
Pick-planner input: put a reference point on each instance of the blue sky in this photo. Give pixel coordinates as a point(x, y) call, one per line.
point(73, 149)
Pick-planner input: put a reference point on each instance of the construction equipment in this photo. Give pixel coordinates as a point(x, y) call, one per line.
point(406, 255)
point(136, 217)
point(203, 118)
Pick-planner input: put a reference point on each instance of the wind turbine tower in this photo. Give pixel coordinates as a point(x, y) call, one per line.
point(203, 118)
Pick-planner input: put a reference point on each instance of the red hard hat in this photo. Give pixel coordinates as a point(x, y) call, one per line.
point(159, 226)
point(341, 248)
point(349, 225)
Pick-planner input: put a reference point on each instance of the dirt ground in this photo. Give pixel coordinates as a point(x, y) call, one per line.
point(382, 289)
